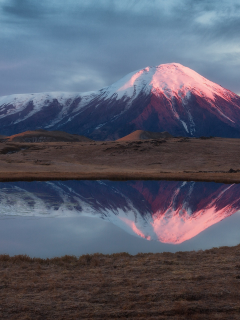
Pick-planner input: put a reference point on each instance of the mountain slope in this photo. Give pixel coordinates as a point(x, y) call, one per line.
point(169, 97)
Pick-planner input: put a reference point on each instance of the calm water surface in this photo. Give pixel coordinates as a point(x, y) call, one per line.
point(47, 219)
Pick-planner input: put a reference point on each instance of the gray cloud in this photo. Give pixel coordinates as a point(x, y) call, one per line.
point(25, 9)
point(81, 46)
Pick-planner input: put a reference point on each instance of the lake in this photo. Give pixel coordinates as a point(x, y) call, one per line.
point(54, 218)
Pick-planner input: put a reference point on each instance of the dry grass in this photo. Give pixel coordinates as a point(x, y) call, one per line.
point(184, 285)
point(187, 159)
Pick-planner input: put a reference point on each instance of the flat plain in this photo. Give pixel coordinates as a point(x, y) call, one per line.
point(199, 159)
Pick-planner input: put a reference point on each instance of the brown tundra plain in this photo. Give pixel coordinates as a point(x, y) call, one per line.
point(184, 285)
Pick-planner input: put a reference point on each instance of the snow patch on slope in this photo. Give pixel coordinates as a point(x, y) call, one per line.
point(18, 103)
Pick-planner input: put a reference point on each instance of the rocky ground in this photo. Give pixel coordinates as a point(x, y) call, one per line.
point(184, 285)
point(202, 159)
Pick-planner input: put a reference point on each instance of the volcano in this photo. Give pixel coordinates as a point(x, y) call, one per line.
point(169, 97)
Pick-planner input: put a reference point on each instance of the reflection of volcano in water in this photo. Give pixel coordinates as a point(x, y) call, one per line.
point(168, 211)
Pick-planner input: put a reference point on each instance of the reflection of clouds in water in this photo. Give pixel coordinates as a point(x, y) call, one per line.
point(49, 237)
point(167, 211)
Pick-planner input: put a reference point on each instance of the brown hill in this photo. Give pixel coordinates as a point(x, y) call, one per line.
point(46, 136)
point(144, 135)
point(3, 138)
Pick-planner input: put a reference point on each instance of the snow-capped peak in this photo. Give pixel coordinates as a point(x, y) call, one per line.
point(168, 97)
point(171, 79)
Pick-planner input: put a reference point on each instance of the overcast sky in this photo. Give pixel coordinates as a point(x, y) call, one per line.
point(84, 45)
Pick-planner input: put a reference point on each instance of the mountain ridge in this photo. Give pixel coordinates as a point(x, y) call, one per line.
point(169, 97)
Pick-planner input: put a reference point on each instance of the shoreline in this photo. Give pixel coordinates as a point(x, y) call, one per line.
point(226, 178)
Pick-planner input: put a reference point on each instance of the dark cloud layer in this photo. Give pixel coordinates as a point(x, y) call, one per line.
point(84, 45)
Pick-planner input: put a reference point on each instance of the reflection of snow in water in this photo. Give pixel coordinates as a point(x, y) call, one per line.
point(167, 211)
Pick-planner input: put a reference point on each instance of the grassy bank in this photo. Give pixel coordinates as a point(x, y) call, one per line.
point(184, 285)
point(187, 159)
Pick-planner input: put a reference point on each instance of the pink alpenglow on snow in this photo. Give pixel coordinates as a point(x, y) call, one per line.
point(173, 79)
point(169, 97)
point(165, 211)
point(134, 228)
